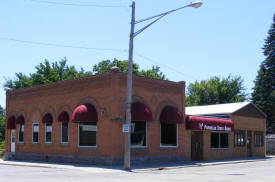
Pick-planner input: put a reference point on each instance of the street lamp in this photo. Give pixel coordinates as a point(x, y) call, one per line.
point(127, 151)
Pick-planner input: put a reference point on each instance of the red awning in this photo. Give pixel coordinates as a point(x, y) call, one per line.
point(85, 113)
point(209, 124)
point(20, 120)
point(11, 123)
point(140, 112)
point(63, 117)
point(47, 118)
point(171, 115)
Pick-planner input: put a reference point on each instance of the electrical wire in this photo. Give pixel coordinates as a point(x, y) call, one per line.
point(96, 49)
point(62, 45)
point(77, 5)
point(168, 67)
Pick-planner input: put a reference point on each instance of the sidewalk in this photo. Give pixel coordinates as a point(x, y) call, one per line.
point(167, 166)
point(135, 168)
point(83, 167)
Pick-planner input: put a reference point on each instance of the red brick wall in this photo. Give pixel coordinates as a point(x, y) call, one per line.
point(107, 94)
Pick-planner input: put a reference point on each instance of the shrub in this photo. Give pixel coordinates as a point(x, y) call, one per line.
point(2, 148)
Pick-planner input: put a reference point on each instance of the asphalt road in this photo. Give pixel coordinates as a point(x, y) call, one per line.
point(251, 171)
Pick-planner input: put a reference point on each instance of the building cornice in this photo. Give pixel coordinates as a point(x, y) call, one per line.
point(93, 78)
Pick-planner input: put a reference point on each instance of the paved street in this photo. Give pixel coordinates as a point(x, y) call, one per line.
point(250, 171)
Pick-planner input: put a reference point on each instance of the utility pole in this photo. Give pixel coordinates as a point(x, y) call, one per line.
point(127, 148)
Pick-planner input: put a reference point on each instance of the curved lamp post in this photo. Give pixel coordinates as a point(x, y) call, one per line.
point(127, 152)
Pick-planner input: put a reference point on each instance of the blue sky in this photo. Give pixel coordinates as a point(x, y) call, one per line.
point(220, 38)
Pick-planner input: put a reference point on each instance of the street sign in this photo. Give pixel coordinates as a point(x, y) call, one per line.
point(125, 128)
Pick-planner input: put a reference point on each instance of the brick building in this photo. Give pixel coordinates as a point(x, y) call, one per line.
point(81, 121)
point(226, 131)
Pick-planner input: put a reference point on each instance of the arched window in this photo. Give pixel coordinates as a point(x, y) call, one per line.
point(140, 113)
point(169, 118)
point(20, 120)
point(64, 119)
point(86, 117)
point(48, 120)
point(11, 123)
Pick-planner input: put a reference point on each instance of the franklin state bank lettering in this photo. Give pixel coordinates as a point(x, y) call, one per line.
point(203, 126)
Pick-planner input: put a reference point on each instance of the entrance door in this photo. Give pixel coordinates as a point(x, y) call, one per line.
point(196, 146)
point(12, 140)
point(249, 144)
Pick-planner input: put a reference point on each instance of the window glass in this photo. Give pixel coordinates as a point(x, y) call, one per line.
point(242, 139)
point(214, 140)
point(13, 136)
point(21, 134)
point(223, 140)
point(219, 140)
point(168, 134)
point(138, 133)
point(87, 134)
point(64, 132)
point(258, 139)
point(48, 133)
point(236, 139)
point(35, 131)
point(239, 138)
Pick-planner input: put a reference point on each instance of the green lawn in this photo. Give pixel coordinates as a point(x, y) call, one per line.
point(2, 148)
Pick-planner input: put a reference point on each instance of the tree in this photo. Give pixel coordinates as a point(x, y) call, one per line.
point(2, 124)
point(46, 72)
point(216, 90)
point(153, 73)
point(263, 94)
point(106, 65)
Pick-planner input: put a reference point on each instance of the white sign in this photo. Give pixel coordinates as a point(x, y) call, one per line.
point(125, 128)
point(203, 126)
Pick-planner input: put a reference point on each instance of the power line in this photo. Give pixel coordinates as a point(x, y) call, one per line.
point(149, 59)
point(93, 48)
point(78, 5)
point(62, 45)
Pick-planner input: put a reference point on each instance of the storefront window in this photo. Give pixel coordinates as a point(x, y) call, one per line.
point(35, 131)
point(168, 135)
point(21, 133)
point(214, 140)
point(138, 134)
point(223, 140)
point(239, 138)
point(48, 133)
point(219, 140)
point(258, 139)
point(87, 134)
point(64, 132)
